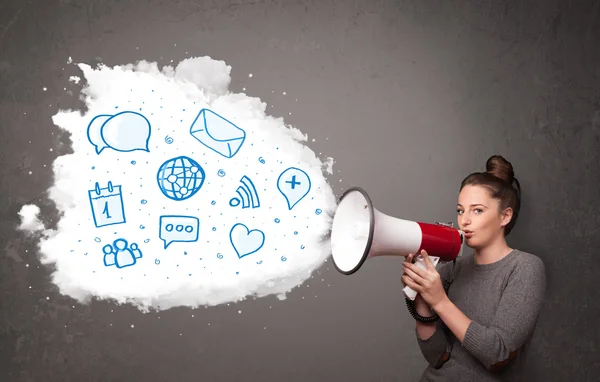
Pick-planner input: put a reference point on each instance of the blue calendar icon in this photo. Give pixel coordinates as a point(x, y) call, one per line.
point(107, 205)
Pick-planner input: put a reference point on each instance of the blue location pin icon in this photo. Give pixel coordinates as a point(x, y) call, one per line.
point(294, 184)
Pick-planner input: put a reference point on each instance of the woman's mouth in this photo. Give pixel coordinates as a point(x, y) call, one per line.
point(468, 234)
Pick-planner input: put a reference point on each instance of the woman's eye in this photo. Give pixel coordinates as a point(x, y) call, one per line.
point(478, 210)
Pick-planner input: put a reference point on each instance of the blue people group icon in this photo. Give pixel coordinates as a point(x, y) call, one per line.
point(217, 133)
point(125, 131)
point(121, 254)
point(180, 178)
point(247, 193)
point(178, 228)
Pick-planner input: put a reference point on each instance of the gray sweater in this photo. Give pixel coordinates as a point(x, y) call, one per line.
point(503, 300)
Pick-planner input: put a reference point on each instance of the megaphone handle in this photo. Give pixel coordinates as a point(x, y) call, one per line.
point(410, 293)
point(420, 261)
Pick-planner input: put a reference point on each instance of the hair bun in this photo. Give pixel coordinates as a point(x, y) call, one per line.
point(501, 168)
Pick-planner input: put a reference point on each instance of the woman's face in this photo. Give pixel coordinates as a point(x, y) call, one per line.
point(479, 216)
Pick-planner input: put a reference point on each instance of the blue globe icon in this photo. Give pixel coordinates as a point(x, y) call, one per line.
point(180, 178)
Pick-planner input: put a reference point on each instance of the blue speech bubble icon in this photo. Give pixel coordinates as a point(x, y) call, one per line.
point(178, 228)
point(127, 131)
point(94, 132)
point(124, 132)
point(294, 185)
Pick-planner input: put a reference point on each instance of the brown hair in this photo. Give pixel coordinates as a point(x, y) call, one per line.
point(499, 179)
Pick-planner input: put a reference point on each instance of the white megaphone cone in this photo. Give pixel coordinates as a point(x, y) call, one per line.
point(360, 232)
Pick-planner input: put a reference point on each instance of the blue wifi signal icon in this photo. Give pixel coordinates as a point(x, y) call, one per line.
point(247, 194)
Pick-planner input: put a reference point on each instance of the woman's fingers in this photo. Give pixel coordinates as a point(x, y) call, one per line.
point(413, 275)
point(412, 285)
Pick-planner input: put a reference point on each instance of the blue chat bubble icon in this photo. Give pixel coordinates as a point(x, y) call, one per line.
point(94, 132)
point(178, 228)
point(124, 132)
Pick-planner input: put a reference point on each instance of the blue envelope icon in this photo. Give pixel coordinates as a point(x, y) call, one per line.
point(217, 133)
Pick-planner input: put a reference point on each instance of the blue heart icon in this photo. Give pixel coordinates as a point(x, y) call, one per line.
point(246, 241)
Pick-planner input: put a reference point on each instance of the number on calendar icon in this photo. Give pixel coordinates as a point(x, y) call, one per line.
point(107, 205)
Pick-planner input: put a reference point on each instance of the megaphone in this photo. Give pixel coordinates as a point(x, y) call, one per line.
point(360, 232)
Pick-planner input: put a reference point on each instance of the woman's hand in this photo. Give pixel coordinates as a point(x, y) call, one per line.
point(426, 282)
point(407, 260)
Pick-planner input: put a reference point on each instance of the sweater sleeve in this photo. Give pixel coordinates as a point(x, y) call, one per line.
point(434, 347)
point(515, 317)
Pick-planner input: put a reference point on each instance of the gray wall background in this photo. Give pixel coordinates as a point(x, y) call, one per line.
point(407, 96)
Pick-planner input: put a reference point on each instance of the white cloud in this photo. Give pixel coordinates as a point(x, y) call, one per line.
point(30, 218)
point(186, 273)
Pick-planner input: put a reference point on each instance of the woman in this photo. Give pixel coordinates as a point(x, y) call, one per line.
point(487, 318)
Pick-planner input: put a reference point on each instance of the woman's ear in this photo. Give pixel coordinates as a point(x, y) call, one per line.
point(506, 216)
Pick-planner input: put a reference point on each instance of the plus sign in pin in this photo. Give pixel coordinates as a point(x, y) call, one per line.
point(294, 184)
